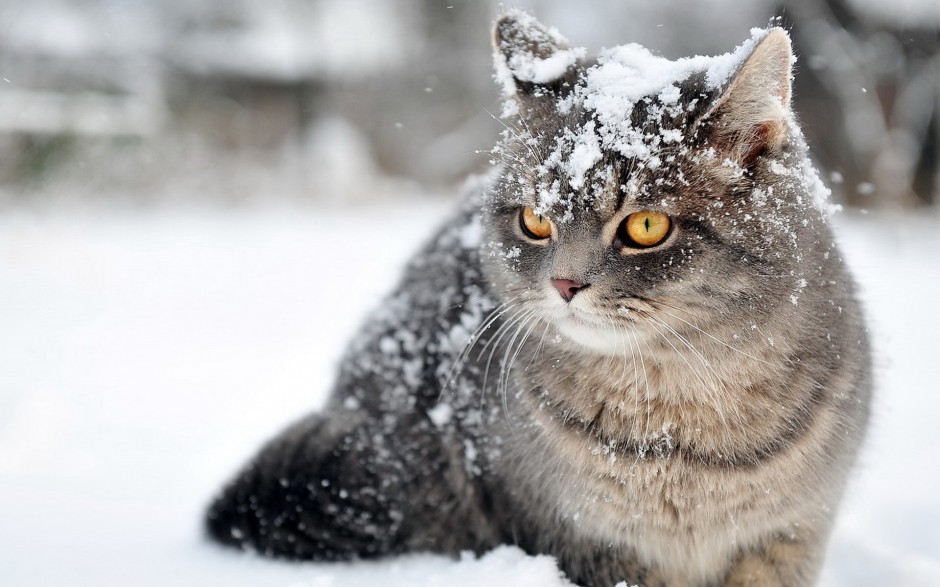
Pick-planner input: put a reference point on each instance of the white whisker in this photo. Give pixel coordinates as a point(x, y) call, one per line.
point(714, 338)
point(475, 336)
point(506, 369)
point(497, 337)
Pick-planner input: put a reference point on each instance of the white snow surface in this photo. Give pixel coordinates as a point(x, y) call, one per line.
point(145, 355)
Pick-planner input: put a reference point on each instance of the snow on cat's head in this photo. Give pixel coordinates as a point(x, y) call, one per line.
point(702, 155)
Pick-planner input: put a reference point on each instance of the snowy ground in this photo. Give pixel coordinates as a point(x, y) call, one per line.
point(145, 355)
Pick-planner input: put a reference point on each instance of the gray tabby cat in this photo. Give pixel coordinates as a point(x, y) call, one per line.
point(635, 347)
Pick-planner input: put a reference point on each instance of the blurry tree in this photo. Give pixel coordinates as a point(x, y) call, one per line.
point(60, 78)
point(429, 119)
point(868, 92)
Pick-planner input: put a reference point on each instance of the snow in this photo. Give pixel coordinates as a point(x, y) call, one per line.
point(145, 355)
point(541, 71)
point(610, 91)
point(528, 67)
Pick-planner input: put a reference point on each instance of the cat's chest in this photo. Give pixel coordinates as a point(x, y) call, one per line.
point(680, 517)
point(654, 486)
point(623, 413)
point(657, 492)
point(664, 482)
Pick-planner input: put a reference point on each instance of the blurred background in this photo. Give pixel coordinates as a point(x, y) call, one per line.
point(331, 100)
point(200, 201)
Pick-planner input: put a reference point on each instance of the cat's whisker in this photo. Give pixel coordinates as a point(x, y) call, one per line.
point(684, 341)
point(517, 135)
point(484, 297)
point(636, 381)
point(623, 381)
point(506, 363)
point(490, 342)
point(710, 388)
point(710, 336)
point(644, 439)
point(497, 338)
point(533, 319)
point(620, 330)
point(538, 347)
point(623, 347)
point(521, 165)
point(496, 335)
point(524, 162)
point(477, 334)
point(610, 357)
point(535, 144)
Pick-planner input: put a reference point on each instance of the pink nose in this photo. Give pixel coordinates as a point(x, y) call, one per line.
point(567, 288)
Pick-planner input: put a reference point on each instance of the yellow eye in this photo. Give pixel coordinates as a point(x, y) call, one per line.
point(534, 225)
point(647, 228)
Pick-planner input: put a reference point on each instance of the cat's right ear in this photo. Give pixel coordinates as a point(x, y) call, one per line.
point(751, 116)
point(532, 61)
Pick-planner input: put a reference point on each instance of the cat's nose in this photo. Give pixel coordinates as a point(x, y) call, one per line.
point(567, 288)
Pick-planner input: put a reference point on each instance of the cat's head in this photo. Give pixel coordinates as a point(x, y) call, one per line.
point(638, 194)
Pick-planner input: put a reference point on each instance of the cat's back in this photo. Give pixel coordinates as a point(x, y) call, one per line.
point(407, 347)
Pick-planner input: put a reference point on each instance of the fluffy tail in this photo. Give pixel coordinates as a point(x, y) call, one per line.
point(314, 492)
point(338, 486)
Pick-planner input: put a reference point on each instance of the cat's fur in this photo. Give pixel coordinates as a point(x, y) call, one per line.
point(688, 418)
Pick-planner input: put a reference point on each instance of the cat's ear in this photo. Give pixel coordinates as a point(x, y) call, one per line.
point(750, 117)
point(531, 60)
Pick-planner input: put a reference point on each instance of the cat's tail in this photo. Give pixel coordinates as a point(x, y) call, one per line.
point(336, 486)
point(314, 492)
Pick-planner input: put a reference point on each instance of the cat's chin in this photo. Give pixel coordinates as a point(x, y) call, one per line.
point(595, 335)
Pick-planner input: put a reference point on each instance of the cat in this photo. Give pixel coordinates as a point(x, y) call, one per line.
point(634, 347)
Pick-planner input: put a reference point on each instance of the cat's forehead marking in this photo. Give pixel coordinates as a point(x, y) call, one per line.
point(626, 110)
point(599, 196)
point(611, 186)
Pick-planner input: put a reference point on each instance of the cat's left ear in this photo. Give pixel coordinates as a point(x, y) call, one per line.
point(532, 61)
point(750, 116)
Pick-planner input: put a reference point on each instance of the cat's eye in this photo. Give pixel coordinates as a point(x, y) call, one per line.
point(646, 228)
point(534, 225)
